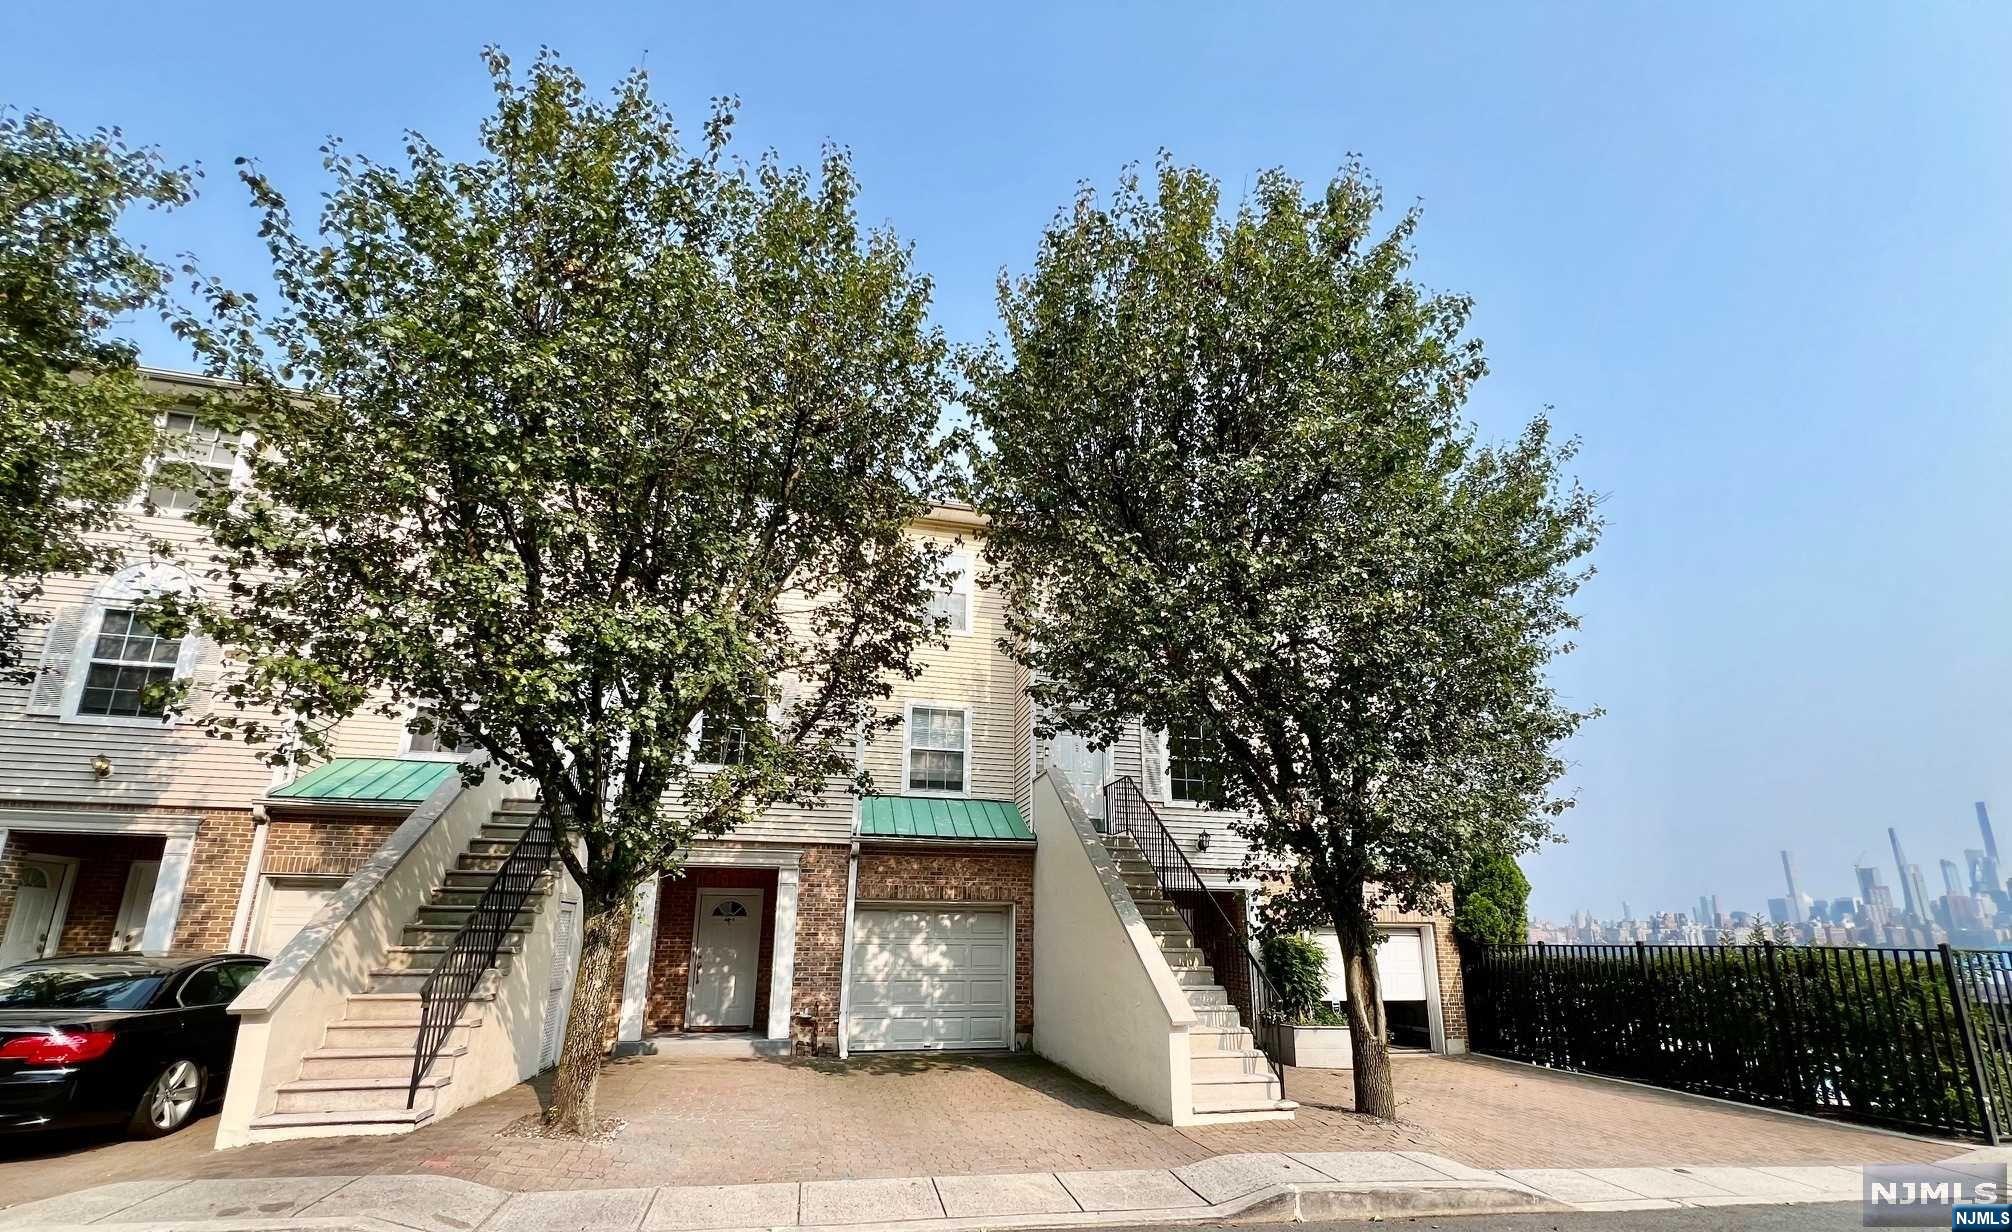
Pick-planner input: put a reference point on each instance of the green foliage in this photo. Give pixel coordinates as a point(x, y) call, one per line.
point(1230, 483)
point(76, 421)
point(1491, 903)
point(1297, 968)
point(574, 443)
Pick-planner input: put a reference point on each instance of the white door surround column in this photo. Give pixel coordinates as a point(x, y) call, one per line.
point(166, 907)
point(642, 951)
point(782, 961)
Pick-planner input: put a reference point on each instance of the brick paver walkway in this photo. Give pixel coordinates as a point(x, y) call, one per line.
point(724, 1122)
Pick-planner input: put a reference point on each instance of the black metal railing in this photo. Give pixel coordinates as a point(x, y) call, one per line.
point(471, 953)
point(1916, 1039)
point(1225, 945)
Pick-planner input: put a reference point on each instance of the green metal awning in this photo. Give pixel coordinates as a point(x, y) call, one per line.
point(367, 780)
point(983, 821)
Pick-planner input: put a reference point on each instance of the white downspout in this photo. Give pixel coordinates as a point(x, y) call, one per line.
point(248, 888)
point(845, 962)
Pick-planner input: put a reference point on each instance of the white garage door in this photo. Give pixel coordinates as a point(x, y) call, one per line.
point(1400, 965)
point(924, 978)
point(286, 907)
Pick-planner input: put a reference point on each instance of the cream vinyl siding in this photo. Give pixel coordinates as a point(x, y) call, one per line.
point(972, 673)
point(1185, 822)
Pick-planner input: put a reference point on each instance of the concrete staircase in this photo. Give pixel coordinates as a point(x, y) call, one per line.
point(1231, 1078)
point(357, 1081)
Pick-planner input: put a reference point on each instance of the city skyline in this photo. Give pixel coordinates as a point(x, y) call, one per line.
point(1901, 899)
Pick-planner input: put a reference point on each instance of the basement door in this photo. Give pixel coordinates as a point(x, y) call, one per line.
point(926, 978)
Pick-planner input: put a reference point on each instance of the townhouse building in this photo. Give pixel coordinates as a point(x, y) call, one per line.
point(962, 906)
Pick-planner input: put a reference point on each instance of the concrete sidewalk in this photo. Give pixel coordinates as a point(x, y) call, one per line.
point(1247, 1187)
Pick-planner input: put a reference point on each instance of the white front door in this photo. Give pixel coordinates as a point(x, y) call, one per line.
point(925, 978)
point(134, 906)
point(33, 926)
point(726, 945)
point(1084, 769)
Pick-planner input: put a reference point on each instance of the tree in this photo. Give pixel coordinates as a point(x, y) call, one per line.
point(1231, 492)
point(1491, 902)
point(76, 421)
point(575, 444)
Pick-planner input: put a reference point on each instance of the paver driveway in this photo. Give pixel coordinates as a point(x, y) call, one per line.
point(722, 1122)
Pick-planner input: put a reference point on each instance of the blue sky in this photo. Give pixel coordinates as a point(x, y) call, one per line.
point(1757, 256)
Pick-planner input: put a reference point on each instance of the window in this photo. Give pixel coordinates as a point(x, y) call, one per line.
point(428, 744)
point(953, 601)
point(1194, 763)
point(195, 457)
point(722, 737)
point(938, 740)
point(129, 668)
point(218, 985)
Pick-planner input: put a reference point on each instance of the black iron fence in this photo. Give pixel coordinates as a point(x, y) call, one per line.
point(453, 981)
point(1914, 1039)
point(1224, 946)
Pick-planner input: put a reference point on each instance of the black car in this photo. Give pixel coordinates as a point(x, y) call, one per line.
point(102, 1039)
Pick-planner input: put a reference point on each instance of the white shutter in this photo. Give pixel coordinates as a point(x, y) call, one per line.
point(52, 671)
point(1152, 763)
point(553, 1028)
point(206, 668)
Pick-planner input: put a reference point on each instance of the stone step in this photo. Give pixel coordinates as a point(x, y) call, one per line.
point(391, 1033)
point(1236, 1094)
point(1208, 996)
point(324, 1063)
point(517, 808)
point(405, 1006)
point(1203, 1040)
point(356, 1094)
point(471, 896)
point(1224, 1065)
point(334, 1124)
point(454, 916)
point(1180, 955)
point(1220, 1015)
point(426, 934)
point(394, 979)
point(507, 831)
point(425, 957)
point(1195, 978)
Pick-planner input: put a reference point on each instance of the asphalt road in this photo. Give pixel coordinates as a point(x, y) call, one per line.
point(1829, 1217)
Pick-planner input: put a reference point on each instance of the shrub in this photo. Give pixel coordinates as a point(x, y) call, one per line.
point(1297, 968)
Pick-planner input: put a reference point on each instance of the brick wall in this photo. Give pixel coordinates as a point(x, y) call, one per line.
point(671, 959)
point(209, 899)
point(820, 940)
point(335, 846)
point(951, 876)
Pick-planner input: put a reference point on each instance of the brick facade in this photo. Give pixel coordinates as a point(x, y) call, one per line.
point(909, 875)
point(331, 846)
point(671, 958)
point(209, 897)
point(820, 941)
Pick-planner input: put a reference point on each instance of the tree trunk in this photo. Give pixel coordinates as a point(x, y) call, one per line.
point(604, 939)
point(1368, 1035)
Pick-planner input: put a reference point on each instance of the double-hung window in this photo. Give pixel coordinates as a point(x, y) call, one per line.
point(195, 457)
point(432, 744)
point(1194, 763)
point(722, 736)
point(952, 598)
point(129, 669)
point(939, 747)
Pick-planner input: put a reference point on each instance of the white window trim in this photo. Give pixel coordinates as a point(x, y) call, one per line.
point(963, 566)
point(240, 479)
point(405, 734)
point(1167, 778)
point(695, 737)
point(125, 590)
point(908, 749)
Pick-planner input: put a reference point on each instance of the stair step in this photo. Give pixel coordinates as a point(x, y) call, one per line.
point(356, 1094)
point(469, 897)
point(1224, 1065)
point(391, 1033)
point(324, 1063)
point(518, 808)
point(1193, 978)
point(442, 934)
point(315, 1120)
point(1209, 997)
point(395, 979)
point(404, 1006)
point(426, 957)
point(1236, 1095)
point(1183, 957)
point(1217, 1015)
point(1204, 1040)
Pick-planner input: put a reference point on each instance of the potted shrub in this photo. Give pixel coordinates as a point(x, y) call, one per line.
point(1311, 1031)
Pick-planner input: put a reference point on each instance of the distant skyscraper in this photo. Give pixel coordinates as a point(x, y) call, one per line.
point(1715, 909)
point(1626, 914)
point(1777, 910)
point(1704, 910)
point(1983, 871)
point(1952, 880)
point(1878, 900)
point(1984, 825)
point(1795, 907)
point(1917, 909)
point(1917, 888)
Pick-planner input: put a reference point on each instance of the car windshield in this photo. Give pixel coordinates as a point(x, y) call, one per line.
point(101, 987)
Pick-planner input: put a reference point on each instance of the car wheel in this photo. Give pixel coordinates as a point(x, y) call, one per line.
point(170, 1100)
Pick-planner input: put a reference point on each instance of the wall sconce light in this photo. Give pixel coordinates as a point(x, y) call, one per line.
point(101, 767)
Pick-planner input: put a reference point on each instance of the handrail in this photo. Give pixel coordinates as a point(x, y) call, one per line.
point(1228, 949)
point(451, 985)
